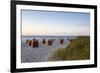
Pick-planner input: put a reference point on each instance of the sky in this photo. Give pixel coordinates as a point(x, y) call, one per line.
point(55, 23)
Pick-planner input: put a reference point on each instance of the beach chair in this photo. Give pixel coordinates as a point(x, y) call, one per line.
point(44, 41)
point(61, 41)
point(49, 42)
point(34, 43)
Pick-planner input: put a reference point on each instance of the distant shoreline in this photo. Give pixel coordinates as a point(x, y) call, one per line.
point(52, 35)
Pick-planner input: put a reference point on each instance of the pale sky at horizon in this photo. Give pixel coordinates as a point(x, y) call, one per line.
point(55, 23)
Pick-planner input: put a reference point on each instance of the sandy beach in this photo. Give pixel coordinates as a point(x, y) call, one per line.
point(39, 54)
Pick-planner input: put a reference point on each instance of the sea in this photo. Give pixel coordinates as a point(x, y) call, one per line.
point(40, 38)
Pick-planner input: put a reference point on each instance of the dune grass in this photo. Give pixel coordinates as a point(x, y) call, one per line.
point(78, 49)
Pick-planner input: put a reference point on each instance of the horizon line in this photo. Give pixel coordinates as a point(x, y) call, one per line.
point(55, 35)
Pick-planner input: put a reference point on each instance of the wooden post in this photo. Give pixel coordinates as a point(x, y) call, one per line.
point(27, 41)
point(68, 39)
point(53, 40)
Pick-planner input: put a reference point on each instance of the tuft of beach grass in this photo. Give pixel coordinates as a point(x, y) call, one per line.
point(78, 49)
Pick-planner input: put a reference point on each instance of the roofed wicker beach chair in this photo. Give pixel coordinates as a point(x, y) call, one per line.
point(34, 43)
point(49, 42)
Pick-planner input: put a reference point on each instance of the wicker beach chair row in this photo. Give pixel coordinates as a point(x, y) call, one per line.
point(35, 43)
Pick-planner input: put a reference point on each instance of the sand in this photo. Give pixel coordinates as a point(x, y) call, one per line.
point(40, 54)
